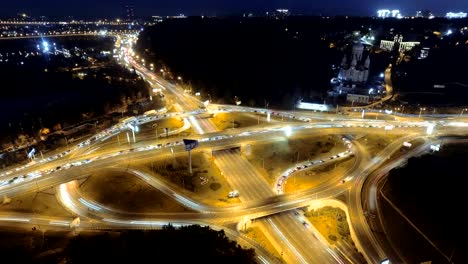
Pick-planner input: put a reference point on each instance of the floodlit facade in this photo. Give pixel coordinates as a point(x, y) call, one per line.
point(398, 43)
point(385, 13)
point(357, 98)
point(355, 68)
point(456, 15)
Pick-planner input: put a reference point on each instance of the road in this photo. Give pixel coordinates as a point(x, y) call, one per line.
point(276, 212)
point(242, 176)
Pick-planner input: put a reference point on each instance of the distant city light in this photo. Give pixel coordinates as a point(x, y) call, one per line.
point(282, 10)
point(456, 15)
point(384, 13)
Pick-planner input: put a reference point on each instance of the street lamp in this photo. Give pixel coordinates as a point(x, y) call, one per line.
point(156, 129)
point(420, 111)
point(463, 110)
point(134, 129)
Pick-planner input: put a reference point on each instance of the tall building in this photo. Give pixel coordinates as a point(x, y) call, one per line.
point(355, 67)
point(385, 13)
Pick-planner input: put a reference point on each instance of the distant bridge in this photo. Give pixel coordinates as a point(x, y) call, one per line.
point(80, 22)
point(109, 33)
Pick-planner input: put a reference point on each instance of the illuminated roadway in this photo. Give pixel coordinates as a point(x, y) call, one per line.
point(242, 176)
point(258, 198)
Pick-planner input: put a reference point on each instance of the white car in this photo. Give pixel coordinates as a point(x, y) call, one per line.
point(233, 194)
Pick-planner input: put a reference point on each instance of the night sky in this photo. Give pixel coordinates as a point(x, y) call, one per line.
point(113, 8)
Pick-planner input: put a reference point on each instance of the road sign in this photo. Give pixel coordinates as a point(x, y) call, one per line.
point(190, 144)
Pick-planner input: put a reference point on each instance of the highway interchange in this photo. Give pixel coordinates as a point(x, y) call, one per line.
point(276, 211)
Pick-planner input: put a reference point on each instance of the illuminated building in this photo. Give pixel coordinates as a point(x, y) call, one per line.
point(385, 13)
point(456, 15)
point(279, 13)
point(398, 44)
point(355, 68)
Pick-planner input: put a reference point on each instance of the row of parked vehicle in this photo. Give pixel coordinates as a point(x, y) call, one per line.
point(287, 173)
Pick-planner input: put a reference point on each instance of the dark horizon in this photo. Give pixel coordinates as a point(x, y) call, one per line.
point(145, 8)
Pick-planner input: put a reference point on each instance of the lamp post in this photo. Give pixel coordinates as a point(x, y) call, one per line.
point(134, 129)
point(420, 111)
point(156, 129)
point(463, 110)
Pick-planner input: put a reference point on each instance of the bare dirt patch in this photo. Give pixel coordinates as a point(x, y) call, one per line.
point(206, 183)
point(157, 128)
point(272, 159)
point(43, 203)
point(375, 143)
point(256, 234)
point(309, 179)
point(331, 223)
point(225, 121)
point(128, 193)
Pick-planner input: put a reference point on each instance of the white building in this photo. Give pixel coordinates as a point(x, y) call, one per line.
point(355, 68)
point(397, 43)
point(384, 13)
point(357, 98)
point(456, 15)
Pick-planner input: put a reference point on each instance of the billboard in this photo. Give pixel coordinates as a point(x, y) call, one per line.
point(190, 144)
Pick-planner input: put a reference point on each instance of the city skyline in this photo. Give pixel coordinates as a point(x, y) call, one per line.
point(265, 132)
point(108, 8)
